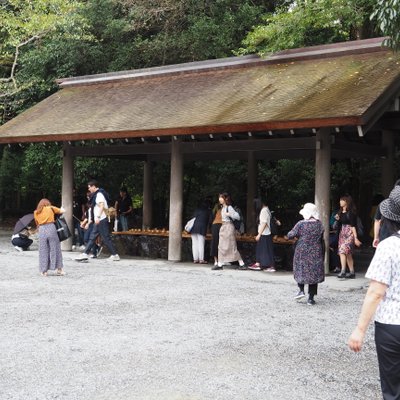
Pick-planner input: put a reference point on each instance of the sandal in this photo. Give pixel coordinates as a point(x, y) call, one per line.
point(43, 273)
point(60, 272)
point(203, 262)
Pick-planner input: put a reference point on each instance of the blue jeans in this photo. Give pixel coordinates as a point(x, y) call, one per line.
point(102, 229)
point(77, 239)
point(123, 220)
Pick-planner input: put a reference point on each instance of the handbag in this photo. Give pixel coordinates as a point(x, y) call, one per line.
point(189, 225)
point(62, 229)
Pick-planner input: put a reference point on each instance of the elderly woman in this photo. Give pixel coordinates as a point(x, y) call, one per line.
point(383, 300)
point(308, 261)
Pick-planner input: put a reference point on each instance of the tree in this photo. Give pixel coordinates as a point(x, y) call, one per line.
point(306, 23)
point(25, 22)
point(387, 15)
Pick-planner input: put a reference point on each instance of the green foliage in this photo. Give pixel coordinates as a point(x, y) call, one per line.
point(387, 14)
point(305, 23)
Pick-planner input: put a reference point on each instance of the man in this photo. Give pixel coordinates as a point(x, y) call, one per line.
point(124, 208)
point(98, 215)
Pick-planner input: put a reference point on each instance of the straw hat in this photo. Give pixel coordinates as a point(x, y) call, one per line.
point(309, 210)
point(390, 208)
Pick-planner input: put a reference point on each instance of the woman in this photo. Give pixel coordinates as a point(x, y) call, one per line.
point(308, 260)
point(198, 233)
point(347, 222)
point(227, 247)
point(383, 300)
point(215, 228)
point(50, 256)
point(264, 248)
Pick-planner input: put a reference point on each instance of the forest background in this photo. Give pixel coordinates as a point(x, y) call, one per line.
point(42, 40)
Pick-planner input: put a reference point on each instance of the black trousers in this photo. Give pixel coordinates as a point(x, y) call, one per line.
point(387, 340)
point(312, 289)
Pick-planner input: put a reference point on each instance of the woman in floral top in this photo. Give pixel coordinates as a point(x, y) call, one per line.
point(383, 300)
point(308, 261)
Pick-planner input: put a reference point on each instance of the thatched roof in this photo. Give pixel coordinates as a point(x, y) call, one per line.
point(346, 84)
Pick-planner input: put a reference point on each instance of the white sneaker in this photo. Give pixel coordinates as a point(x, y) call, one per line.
point(83, 247)
point(19, 248)
point(114, 258)
point(82, 257)
point(73, 247)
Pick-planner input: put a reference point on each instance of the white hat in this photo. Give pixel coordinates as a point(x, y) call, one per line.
point(309, 210)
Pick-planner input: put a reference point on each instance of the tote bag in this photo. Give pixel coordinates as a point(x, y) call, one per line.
point(189, 225)
point(63, 231)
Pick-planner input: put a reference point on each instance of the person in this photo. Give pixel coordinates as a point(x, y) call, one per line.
point(308, 259)
point(198, 233)
point(383, 300)
point(264, 247)
point(215, 228)
point(334, 259)
point(227, 246)
point(50, 256)
point(78, 209)
point(87, 228)
point(123, 205)
point(380, 232)
point(21, 240)
point(347, 221)
point(97, 214)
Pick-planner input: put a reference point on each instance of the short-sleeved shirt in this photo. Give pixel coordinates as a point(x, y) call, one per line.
point(385, 268)
point(265, 218)
point(100, 199)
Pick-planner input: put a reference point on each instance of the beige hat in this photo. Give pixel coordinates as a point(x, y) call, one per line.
point(309, 210)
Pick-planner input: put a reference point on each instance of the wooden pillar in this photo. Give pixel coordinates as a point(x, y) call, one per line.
point(66, 191)
point(252, 172)
point(387, 163)
point(175, 202)
point(147, 222)
point(323, 184)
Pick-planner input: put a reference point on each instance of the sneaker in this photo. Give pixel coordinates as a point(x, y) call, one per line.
point(310, 302)
point(350, 275)
point(342, 275)
point(216, 267)
point(270, 269)
point(254, 267)
point(74, 247)
point(82, 257)
point(83, 247)
point(19, 248)
point(242, 267)
point(93, 256)
point(299, 295)
point(114, 257)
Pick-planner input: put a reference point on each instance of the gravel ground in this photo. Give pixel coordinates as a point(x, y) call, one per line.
point(151, 329)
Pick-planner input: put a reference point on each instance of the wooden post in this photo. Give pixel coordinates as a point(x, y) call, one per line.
point(66, 191)
point(251, 193)
point(147, 222)
point(175, 202)
point(387, 163)
point(323, 184)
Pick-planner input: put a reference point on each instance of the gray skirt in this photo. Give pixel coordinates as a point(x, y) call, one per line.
point(50, 256)
point(227, 247)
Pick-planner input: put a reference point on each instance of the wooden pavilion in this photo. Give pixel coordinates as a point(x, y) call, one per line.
point(332, 101)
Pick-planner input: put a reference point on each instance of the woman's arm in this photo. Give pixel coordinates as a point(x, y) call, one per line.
point(356, 241)
point(374, 296)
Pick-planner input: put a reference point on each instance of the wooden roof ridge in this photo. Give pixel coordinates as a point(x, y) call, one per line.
point(285, 56)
